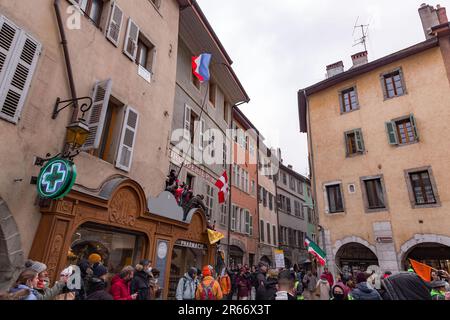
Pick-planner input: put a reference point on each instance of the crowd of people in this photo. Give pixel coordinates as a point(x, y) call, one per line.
point(240, 282)
point(96, 283)
point(263, 283)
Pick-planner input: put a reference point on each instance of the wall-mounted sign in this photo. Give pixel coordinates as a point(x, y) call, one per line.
point(279, 258)
point(189, 244)
point(56, 179)
point(384, 239)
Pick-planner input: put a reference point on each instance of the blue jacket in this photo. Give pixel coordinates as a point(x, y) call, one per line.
point(31, 296)
point(363, 292)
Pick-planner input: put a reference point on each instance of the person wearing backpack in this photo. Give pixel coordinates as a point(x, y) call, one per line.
point(209, 288)
point(187, 285)
point(225, 284)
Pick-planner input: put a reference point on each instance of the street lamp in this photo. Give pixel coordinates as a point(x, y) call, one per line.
point(77, 133)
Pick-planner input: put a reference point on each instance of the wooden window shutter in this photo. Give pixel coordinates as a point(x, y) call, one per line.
point(391, 131)
point(100, 98)
point(359, 140)
point(127, 139)
point(131, 40)
point(18, 59)
point(114, 24)
point(187, 122)
point(414, 126)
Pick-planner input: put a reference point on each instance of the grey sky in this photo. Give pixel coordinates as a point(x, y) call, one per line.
point(281, 46)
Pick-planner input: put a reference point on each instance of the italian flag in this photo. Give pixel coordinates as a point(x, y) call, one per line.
point(315, 250)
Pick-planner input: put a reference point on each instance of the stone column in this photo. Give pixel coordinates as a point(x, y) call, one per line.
point(387, 256)
point(331, 262)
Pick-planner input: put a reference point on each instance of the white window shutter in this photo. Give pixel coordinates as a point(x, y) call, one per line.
point(187, 122)
point(114, 24)
point(127, 139)
point(97, 115)
point(153, 68)
point(17, 74)
point(201, 130)
point(9, 35)
point(131, 40)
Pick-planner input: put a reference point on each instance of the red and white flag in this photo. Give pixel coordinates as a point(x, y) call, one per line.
point(222, 184)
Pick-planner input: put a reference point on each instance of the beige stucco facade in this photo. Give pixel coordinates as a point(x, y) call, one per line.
point(94, 58)
point(428, 98)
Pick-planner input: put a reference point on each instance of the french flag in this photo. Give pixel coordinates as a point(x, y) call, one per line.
point(200, 66)
point(222, 184)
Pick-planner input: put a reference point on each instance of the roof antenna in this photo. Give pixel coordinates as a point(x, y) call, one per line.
point(364, 33)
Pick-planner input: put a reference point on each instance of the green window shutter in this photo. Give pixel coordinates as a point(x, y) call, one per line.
point(392, 133)
point(359, 141)
point(414, 127)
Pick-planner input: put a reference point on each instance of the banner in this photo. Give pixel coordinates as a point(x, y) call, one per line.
point(214, 236)
point(279, 259)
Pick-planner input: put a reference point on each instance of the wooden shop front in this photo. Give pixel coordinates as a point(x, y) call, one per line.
point(116, 223)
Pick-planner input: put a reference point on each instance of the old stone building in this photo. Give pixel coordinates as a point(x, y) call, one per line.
point(380, 169)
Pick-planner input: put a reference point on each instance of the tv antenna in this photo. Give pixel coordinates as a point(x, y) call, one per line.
point(364, 33)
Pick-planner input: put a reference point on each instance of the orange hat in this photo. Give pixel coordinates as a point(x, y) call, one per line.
point(95, 258)
point(206, 271)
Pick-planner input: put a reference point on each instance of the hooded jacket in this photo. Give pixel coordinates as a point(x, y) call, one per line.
point(141, 285)
point(32, 296)
point(363, 292)
point(120, 290)
point(97, 290)
point(244, 286)
point(186, 288)
point(209, 281)
point(323, 289)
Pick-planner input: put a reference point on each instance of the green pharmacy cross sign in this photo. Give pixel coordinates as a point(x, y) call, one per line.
point(56, 179)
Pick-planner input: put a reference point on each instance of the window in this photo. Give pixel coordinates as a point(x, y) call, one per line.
point(246, 182)
point(247, 221)
point(264, 191)
point(139, 49)
point(209, 200)
point(92, 8)
point(310, 217)
point(335, 203)
point(270, 201)
point(393, 84)
point(299, 187)
point(422, 188)
point(223, 214)
point(402, 131)
point(253, 187)
point(354, 142)
point(251, 148)
point(348, 100)
point(268, 233)
point(297, 208)
point(233, 217)
point(274, 238)
point(291, 239)
point(284, 178)
point(190, 180)
point(212, 93)
point(19, 54)
point(261, 231)
point(292, 183)
point(308, 192)
point(374, 195)
point(112, 127)
point(238, 175)
point(304, 209)
point(288, 205)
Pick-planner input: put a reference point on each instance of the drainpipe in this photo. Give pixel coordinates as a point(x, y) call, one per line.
point(66, 58)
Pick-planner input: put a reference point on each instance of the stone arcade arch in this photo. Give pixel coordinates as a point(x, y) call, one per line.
point(419, 239)
point(11, 254)
point(363, 250)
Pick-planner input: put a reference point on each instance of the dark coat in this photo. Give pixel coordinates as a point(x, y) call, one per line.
point(141, 285)
point(261, 288)
point(244, 286)
point(363, 292)
point(271, 289)
point(97, 290)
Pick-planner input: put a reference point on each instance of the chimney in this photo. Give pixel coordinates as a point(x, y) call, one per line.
point(290, 166)
point(431, 17)
point(360, 58)
point(334, 69)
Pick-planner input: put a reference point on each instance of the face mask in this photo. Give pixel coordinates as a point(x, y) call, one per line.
point(338, 296)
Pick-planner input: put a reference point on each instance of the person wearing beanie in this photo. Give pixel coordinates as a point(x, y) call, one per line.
point(323, 288)
point(94, 258)
point(187, 285)
point(97, 286)
point(42, 290)
point(141, 280)
point(362, 290)
point(209, 288)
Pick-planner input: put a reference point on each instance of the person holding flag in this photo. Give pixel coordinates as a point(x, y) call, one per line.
point(314, 249)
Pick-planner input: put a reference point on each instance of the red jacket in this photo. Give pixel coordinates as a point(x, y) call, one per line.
point(120, 290)
point(329, 278)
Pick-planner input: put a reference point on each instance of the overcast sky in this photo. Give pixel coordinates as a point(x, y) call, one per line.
point(281, 46)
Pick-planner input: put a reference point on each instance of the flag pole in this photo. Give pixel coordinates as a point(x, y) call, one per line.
point(230, 187)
